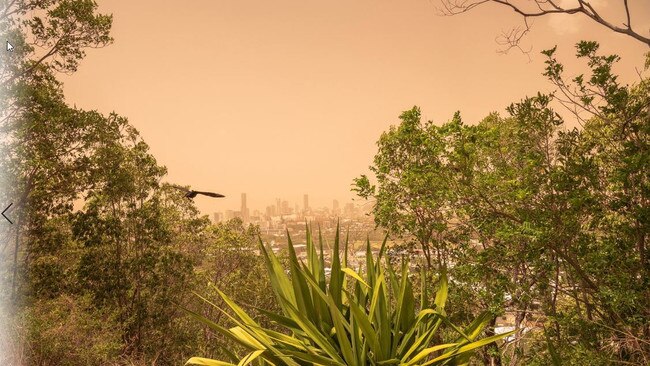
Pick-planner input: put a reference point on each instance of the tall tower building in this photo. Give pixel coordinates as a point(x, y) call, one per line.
point(305, 202)
point(335, 207)
point(244, 208)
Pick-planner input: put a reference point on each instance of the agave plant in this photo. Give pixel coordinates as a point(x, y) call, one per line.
point(354, 317)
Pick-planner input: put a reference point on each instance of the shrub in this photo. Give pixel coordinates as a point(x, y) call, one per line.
point(67, 331)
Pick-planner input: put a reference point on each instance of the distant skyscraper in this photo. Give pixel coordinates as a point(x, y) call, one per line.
point(305, 202)
point(218, 217)
point(278, 206)
point(244, 209)
point(335, 207)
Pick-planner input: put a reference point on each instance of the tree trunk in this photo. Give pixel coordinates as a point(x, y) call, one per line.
point(492, 354)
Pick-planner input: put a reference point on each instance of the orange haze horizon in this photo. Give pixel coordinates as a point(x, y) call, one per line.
point(285, 98)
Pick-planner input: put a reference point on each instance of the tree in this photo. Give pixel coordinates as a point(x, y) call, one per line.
point(60, 30)
point(412, 198)
point(122, 251)
point(549, 211)
point(41, 136)
point(48, 37)
point(129, 253)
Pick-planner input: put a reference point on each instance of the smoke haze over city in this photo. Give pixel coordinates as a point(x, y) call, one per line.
point(284, 98)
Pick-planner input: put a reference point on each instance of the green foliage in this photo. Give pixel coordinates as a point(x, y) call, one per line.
point(68, 331)
point(546, 223)
point(61, 29)
point(529, 218)
point(231, 263)
point(130, 251)
point(350, 318)
point(413, 193)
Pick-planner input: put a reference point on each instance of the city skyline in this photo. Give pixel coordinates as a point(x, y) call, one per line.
point(283, 207)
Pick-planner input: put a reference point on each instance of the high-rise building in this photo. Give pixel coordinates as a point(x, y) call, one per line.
point(305, 202)
point(335, 207)
point(278, 206)
point(218, 217)
point(244, 209)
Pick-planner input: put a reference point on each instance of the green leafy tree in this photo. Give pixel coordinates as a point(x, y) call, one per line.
point(413, 195)
point(44, 142)
point(547, 211)
point(130, 251)
point(135, 260)
point(51, 35)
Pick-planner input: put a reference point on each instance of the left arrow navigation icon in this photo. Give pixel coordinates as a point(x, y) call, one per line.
point(5, 210)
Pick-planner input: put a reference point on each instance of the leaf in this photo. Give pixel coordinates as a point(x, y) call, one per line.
point(207, 362)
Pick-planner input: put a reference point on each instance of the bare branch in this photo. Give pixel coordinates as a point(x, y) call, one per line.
point(512, 39)
point(544, 8)
point(627, 14)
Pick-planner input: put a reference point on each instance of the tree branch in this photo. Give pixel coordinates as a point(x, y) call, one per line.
point(547, 7)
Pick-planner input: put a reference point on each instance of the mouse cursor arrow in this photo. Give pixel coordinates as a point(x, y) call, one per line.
point(10, 47)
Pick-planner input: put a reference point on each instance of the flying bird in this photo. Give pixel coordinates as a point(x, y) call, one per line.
point(190, 193)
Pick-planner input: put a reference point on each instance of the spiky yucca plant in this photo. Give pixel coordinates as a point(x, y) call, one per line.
point(353, 318)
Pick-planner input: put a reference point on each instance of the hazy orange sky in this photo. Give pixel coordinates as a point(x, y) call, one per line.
point(281, 98)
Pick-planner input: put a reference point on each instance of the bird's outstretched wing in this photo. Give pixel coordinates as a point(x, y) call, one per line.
point(190, 193)
point(210, 194)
